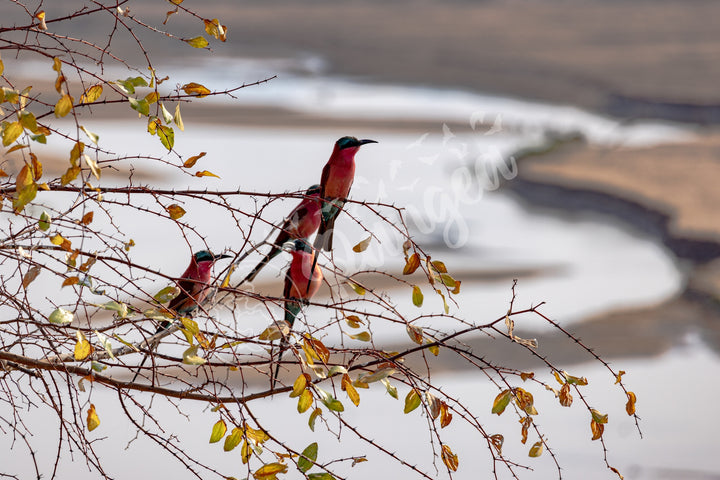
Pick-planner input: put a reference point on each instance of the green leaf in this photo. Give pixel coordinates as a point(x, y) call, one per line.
point(501, 401)
point(167, 294)
point(197, 42)
point(331, 402)
point(233, 440)
point(167, 136)
point(27, 119)
point(320, 476)
point(412, 401)
point(308, 457)
point(140, 106)
point(105, 342)
point(391, 390)
point(218, 431)
point(60, 316)
point(113, 306)
point(313, 416)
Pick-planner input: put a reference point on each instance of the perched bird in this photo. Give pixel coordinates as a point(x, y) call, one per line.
point(300, 286)
point(194, 287)
point(337, 178)
point(302, 222)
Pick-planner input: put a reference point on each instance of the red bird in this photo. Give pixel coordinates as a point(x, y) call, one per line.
point(300, 286)
point(302, 222)
point(337, 178)
point(194, 287)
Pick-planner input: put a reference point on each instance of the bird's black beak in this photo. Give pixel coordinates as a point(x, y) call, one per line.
point(366, 141)
point(218, 257)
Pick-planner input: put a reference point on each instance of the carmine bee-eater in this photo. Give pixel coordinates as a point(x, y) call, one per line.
point(194, 287)
point(337, 178)
point(300, 286)
point(302, 222)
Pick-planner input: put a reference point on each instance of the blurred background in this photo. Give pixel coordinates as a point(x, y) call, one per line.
point(572, 145)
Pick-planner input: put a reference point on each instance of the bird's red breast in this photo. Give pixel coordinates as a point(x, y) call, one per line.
point(299, 276)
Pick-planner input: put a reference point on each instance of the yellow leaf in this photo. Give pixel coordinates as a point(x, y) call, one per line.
point(151, 97)
point(256, 435)
point(94, 137)
point(190, 162)
point(177, 118)
point(245, 452)
point(417, 296)
point(618, 377)
point(305, 401)
point(93, 421)
point(196, 88)
point(449, 458)
point(412, 401)
point(301, 383)
point(362, 336)
point(597, 429)
point(233, 440)
point(94, 168)
point(63, 106)
point(91, 94)
point(197, 42)
point(70, 175)
point(346, 384)
point(598, 417)
point(25, 189)
point(630, 406)
point(10, 132)
point(83, 349)
point(318, 348)
point(353, 321)
point(434, 349)
point(270, 471)
point(415, 333)
point(205, 173)
point(526, 375)
point(363, 245)
point(213, 27)
point(175, 211)
point(71, 281)
point(42, 26)
point(536, 450)
point(28, 120)
point(75, 152)
point(218, 431)
point(439, 266)
point(412, 264)
point(358, 289)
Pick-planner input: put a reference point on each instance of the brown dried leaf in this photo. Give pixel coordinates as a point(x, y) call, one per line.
point(412, 264)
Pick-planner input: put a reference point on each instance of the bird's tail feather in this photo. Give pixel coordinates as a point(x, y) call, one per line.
point(292, 309)
point(266, 259)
